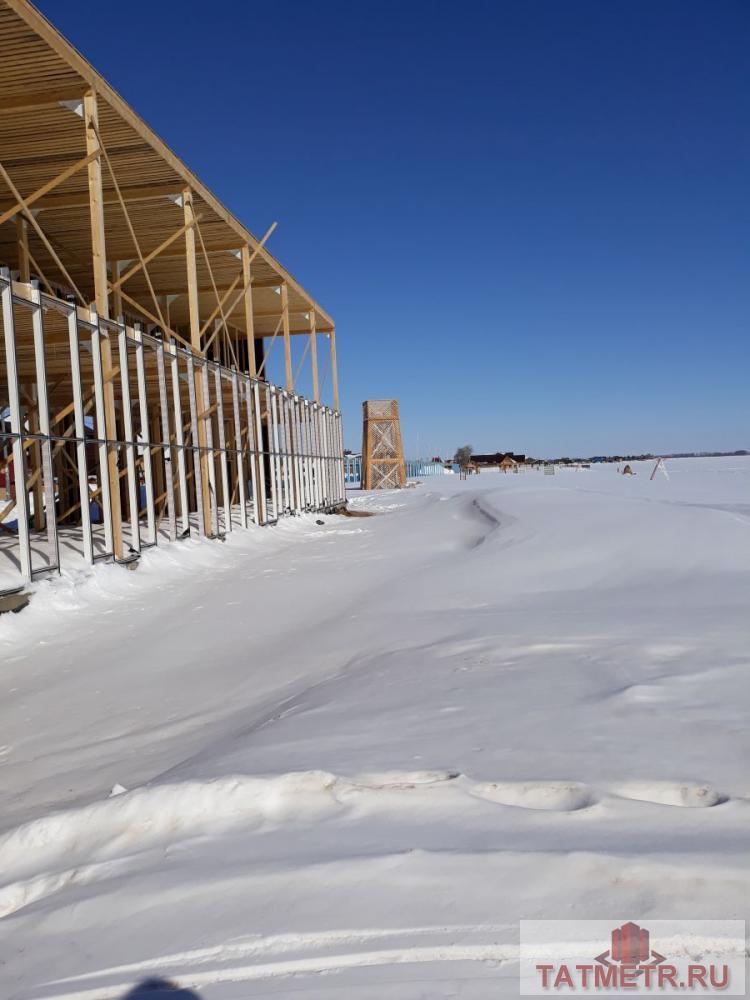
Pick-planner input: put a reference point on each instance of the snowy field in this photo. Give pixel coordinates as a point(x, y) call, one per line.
point(357, 753)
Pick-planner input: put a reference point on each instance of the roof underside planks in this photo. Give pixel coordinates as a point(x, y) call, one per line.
point(40, 136)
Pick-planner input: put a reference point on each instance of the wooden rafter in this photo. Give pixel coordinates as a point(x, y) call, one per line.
point(236, 301)
point(42, 98)
point(219, 303)
point(139, 308)
point(219, 306)
point(92, 125)
point(27, 202)
point(149, 257)
point(40, 233)
point(80, 199)
point(300, 363)
point(268, 352)
point(90, 79)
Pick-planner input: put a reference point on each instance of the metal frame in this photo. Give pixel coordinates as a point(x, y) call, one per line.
point(275, 453)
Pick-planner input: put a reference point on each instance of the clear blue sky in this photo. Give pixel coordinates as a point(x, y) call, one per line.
point(529, 219)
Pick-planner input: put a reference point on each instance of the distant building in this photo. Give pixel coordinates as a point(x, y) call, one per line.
point(496, 460)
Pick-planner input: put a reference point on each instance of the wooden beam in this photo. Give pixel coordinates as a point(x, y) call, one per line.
point(96, 208)
point(40, 192)
point(79, 199)
point(195, 341)
point(28, 13)
point(143, 262)
point(247, 278)
point(300, 363)
point(22, 236)
point(40, 232)
point(334, 370)
point(287, 341)
point(219, 300)
point(235, 301)
point(270, 346)
point(217, 308)
point(314, 356)
point(142, 311)
point(43, 98)
point(115, 268)
point(128, 222)
point(101, 298)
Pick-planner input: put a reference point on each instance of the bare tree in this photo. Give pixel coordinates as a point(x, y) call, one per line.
point(463, 455)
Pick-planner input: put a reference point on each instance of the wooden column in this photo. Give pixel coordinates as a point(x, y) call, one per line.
point(314, 356)
point(116, 268)
point(99, 264)
point(334, 371)
point(287, 337)
point(22, 236)
point(24, 274)
point(249, 321)
point(195, 341)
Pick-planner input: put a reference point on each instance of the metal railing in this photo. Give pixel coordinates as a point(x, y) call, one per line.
point(261, 452)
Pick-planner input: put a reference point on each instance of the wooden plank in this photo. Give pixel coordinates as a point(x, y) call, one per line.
point(80, 199)
point(128, 221)
point(287, 341)
point(22, 237)
point(195, 340)
point(247, 278)
point(142, 263)
point(49, 186)
point(40, 233)
point(42, 27)
point(42, 99)
point(334, 371)
point(314, 355)
point(101, 298)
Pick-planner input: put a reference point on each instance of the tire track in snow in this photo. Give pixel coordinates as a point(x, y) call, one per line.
point(283, 944)
point(314, 964)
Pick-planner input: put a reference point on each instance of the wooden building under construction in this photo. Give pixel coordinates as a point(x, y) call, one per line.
point(138, 316)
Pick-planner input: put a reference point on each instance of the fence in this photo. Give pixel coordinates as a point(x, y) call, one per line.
point(415, 469)
point(418, 469)
point(352, 470)
point(255, 453)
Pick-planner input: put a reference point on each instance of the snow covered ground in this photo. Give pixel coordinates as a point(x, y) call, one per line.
point(358, 753)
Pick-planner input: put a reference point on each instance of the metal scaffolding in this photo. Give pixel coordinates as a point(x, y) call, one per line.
point(268, 452)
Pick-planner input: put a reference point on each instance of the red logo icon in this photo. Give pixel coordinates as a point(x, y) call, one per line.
point(631, 946)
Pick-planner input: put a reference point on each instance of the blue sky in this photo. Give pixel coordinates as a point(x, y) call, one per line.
point(529, 219)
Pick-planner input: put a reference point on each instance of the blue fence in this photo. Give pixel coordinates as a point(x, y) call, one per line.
point(352, 470)
point(416, 468)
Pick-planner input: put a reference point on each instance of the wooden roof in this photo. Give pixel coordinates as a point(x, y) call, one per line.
point(42, 80)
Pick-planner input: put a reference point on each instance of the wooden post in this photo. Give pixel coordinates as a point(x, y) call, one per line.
point(249, 322)
point(24, 274)
point(195, 341)
point(116, 269)
point(99, 263)
point(334, 371)
point(22, 236)
point(287, 338)
point(314, 356)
